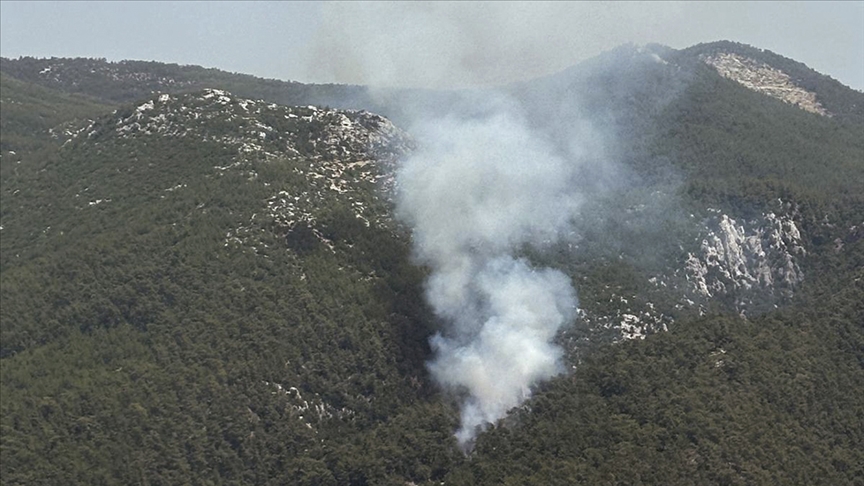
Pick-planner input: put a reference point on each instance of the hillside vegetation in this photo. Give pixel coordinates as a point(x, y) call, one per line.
point(202, 288)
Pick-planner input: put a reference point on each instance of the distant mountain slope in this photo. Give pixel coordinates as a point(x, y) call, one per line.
point(836, 98)
point(30, 111)
point(130, 81)
point(695, 149)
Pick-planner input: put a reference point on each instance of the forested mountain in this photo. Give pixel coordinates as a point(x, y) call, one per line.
point(130, 81)
point(203, 281)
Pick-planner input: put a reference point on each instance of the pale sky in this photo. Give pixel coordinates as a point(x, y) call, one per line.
point(434, 44)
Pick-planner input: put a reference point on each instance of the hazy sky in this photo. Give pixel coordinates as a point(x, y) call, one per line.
point(428, 44)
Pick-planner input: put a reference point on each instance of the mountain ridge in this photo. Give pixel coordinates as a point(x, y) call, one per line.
point(128, 81)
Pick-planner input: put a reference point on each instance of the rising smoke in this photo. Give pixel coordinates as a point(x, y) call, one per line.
point(489, 179)
point(478, 191)
point(471, 44)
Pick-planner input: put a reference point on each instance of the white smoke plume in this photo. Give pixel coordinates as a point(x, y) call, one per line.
point(477, 191)
point(485, 183)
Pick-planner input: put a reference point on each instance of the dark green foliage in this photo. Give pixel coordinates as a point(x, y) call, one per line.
point(129, 81)
point(724, 135)
point(30, 111)
point(141, 345)
point(838, 99)
point(715, 401)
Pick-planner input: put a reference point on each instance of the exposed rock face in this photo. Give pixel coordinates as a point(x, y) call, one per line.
point(764, 79)
point(311, 411)
point(750, 265)
point(634, 320)
point(255, 127)
point(744, 259)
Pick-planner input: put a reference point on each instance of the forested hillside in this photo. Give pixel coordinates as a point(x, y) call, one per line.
point(203, 282)
point(129, 81)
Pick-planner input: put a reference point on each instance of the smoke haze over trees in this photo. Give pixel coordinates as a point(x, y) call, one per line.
point(199, 285)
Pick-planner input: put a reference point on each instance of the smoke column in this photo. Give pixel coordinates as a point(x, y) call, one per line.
point(476, 192)
point(483, 185)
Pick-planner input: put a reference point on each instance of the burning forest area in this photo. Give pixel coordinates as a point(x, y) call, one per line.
point(469, 261)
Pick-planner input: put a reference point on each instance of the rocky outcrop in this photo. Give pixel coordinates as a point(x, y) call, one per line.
point(253, 127)
point(344, 155)
point(764, 79)
point(747, 259)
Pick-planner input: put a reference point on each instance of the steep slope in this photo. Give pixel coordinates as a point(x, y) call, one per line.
point(719, 197)
point(244, 298)
point(762, 78)
point(780, 77)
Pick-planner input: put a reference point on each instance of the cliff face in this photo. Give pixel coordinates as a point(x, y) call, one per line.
point(744, 259)
point(747, 266)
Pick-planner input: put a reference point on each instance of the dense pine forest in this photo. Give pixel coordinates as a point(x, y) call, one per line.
point(203, 282)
